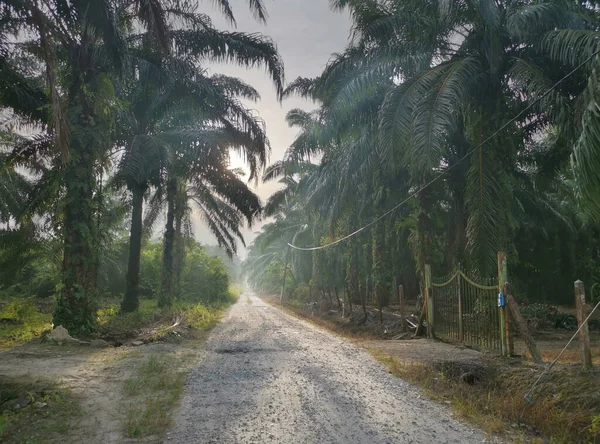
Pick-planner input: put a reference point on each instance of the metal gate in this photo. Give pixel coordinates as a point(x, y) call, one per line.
point(467, 311)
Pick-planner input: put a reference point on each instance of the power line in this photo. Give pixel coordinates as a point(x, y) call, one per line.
point(443, 173)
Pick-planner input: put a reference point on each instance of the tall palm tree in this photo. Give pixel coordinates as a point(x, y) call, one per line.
point(90, 41)
point(200, 180)
point(453, 73)
point(163, 117)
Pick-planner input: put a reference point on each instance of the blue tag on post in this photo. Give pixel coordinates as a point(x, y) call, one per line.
point(501, 301)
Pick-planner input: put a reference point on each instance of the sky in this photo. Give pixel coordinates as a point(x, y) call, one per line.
point(307, 33)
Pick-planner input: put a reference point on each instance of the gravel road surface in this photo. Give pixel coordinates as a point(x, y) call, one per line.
point(267, 377)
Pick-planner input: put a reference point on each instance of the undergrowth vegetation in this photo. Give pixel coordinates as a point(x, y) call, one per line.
point(152, 392)
point(22, 320)
point(566, 407)
point(47, 417)
point(205, 289)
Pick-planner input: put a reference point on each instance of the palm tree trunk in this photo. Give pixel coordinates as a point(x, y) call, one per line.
point(74, 309)
point(179, 253)
point(131, 301)
point(352, 276)
point(165, 298)
point(377, 268)
point(424, 235)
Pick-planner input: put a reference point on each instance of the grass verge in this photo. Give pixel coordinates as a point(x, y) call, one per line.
point(46, 418)
point(152, 392)
point(566, 408)
point(158, 383)
point(22, 320)
point(340, 326)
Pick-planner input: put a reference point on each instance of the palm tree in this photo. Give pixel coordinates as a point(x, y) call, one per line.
point(91, 44)
point(452, 73)
point(163, 116)
point(200, 179)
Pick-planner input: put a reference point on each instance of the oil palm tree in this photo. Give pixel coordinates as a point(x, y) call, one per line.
point(453, 72)
point(200, 180)
point(90, 39)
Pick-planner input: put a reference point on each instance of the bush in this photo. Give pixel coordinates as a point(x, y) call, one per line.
point(20, 321)
point(204, 278)
point(301, 293)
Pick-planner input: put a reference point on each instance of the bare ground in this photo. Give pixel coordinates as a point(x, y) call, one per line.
point(267, 377)
point(94, 376)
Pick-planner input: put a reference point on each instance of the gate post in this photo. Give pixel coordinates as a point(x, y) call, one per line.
point(430, 303)
point(584, 332)
point(502, 279)
point(461, 332)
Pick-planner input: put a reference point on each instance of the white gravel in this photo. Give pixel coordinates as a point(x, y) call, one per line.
point(267, 377)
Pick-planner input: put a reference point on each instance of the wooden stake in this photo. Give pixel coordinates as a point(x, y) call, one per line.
point(510, 321)
point(584, 332)
point(287, 254)
point(349, 296)
point(502, 279)
point(522, 326)
point(461, 332)
point(401, 301)
point(421, 319)
point(337, 296)
point(430, 303)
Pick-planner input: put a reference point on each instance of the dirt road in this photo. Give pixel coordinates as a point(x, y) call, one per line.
point(267, 377)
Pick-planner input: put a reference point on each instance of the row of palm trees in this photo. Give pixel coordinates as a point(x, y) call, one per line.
point(479, 116)
point(121, 90)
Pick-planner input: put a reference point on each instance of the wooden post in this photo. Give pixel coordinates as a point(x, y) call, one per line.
point(502, 279)
point(363, 297)
point(461, 331)
point(430, 303)
point(584, 332)
point(401, 302)
point(510, 321)
point(521, 324)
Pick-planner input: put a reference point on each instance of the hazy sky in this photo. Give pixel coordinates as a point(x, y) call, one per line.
point(306, 33)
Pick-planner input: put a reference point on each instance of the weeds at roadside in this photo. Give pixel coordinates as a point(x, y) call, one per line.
point(47, 417)
point(153, 391)
point(158, 384)
point(340, 326)
point(21, 320)
point(563, 411)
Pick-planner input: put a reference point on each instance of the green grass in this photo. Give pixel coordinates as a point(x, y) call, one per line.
point(112, 322)
point(158, 383)
point(199, 315)
point(22, 320)
point(38, 425)
point(152, 391)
